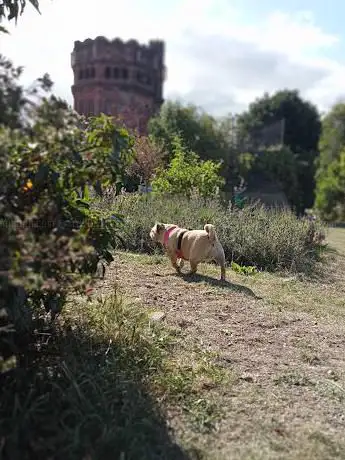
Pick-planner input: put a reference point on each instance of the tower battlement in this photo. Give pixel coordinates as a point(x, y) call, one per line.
point(120, 78)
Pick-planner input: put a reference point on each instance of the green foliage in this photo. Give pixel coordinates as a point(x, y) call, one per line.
point(332, 139)
point(186, 174)
point(266, 239)
point(198, 131)
point(330, 190)
point(302, 122)
point(51, 238)
point(243, 269)
point(280, 163)
point(302, 128)
point(329, 200)
point(246, 162)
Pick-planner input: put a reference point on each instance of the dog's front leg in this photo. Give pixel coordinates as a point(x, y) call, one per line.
point(173, 260)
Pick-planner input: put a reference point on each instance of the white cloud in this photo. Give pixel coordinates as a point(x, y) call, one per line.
point(216, 57)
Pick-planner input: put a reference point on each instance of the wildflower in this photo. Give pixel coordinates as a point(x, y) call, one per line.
point(28, 185)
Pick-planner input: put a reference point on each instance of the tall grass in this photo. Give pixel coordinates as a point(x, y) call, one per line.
point(85, 392)
point(269, 239)
point(97, 387)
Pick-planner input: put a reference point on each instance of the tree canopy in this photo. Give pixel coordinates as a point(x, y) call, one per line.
point(301, 120)
point(198, 130)
point(330, 174)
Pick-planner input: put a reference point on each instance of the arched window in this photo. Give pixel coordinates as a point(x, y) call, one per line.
point(115, 72)
point(107, 72)
point(87, 73)
point(125, 74)
point(81, 74)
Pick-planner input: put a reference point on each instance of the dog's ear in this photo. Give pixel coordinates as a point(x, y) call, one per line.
point(159, 227)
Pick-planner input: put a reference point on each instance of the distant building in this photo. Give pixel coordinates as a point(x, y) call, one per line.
point(122, 79)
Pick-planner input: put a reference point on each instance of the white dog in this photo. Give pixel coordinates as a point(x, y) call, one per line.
point(194, 245)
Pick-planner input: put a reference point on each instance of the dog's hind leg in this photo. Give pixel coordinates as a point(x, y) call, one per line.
point(193, 267)
point(221, 261)
point(219, 258)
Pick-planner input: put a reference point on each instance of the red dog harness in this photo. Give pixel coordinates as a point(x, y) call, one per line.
point(167, 234)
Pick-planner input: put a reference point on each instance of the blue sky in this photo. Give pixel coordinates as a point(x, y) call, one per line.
point(220, 54)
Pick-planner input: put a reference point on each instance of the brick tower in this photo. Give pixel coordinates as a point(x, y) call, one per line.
point(118, 78)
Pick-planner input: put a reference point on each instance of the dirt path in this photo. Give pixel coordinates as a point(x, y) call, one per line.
point(286, 398)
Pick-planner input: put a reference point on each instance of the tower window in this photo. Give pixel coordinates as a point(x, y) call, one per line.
point(81, 74)
point(125, 73)
point(107, 72)
point(87, 73)
point(115, 72)
point(91, 108)
point(92, 72)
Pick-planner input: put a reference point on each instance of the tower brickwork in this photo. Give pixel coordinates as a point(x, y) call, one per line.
point(122, 79)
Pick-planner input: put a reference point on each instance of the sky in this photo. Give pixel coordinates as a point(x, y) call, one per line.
point(220, 54)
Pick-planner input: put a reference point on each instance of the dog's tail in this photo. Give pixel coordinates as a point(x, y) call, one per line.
point(209, 228)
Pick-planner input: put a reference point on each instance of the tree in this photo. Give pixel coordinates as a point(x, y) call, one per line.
point(279, 162)
point(330, 190)
point(301, 120)
point(287, 119)
point(332, 139)
point(330, 174)
point(198, 131)
point(186, 174)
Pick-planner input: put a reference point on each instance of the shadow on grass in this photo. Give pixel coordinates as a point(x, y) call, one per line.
point(79, 396)
point(197, 278)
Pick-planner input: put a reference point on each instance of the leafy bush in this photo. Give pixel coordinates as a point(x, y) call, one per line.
point(186, 174)
point(330, 191)
point(267, 239)
point(51, 240)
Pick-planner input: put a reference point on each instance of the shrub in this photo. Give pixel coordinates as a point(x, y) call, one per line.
point(148, 156)
point(267, 239)
point(186, 173)
point(51, 240)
